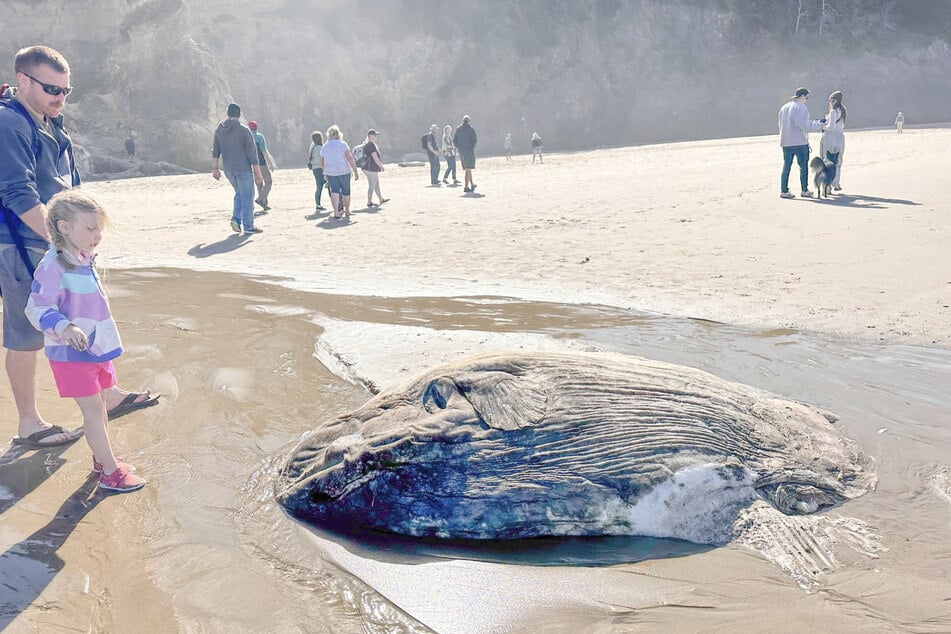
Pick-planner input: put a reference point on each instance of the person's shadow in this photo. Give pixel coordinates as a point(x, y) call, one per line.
point(27, 568)
point(867, 202)
point(20, 476)
point(230, 243)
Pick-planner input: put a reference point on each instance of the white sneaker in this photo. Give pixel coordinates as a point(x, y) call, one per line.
point(786, 195)
point(806, 194)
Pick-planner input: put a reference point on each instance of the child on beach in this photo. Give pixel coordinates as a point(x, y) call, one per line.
point(69, 306)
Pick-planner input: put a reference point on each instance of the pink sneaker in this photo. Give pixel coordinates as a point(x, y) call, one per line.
point(97, 466)
point(121, 480)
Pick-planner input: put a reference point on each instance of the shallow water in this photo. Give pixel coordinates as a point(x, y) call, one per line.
point(238, 361)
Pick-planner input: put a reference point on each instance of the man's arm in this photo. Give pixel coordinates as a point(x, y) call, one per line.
point(35, 219)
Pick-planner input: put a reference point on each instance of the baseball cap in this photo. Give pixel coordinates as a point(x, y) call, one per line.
point(802, 92)
point(372, 131)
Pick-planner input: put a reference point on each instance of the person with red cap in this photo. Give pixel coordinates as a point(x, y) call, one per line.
point(267, 165)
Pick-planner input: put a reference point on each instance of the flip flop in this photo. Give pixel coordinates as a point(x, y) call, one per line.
point(33, 441)
point(129, 404)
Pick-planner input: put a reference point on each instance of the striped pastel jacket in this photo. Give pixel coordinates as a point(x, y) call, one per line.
point(60, 297)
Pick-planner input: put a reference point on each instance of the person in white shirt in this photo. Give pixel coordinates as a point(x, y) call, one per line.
point(832, 145)
point(900, 122)
point(794, 129)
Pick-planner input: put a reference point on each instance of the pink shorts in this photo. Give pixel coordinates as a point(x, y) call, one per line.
point(75, 379)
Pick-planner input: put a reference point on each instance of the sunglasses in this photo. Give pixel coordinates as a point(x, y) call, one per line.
point(50, 89)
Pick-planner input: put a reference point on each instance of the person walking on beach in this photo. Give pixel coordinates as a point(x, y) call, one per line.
point(130, 146)
point(36, 162)
point(832, 144)
point(235, 147)
point(537, 146)
point(507, 144)
point(265, 163)
point(338, 164)
point(465, 139)
point(449, 151)
point(372, 166)
point(432, 153)
point(899, 122)
point(314, 165)
point(794, 129)
point(69, 306)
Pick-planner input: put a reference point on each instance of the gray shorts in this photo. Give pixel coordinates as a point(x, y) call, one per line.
point(467, 158)
point(15, 283)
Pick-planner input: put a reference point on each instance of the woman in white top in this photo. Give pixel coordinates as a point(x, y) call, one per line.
point(832, 145)
point(338, 164)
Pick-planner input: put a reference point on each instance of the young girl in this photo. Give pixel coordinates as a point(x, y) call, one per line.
point(69, 306)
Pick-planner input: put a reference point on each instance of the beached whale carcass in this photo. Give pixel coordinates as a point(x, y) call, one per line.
point(517, 445)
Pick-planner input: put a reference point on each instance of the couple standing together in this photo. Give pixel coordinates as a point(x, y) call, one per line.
point(794, 129)
point(462, 142)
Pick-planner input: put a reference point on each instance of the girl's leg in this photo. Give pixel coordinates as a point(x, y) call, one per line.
point(94, 424)
point(376, 186)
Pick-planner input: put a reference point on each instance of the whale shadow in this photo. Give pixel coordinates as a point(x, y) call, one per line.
point(590, 551)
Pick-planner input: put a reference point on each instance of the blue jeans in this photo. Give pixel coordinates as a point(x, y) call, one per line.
point(433, 168)
point(243, 183)
point(801, 152)
point(450, 167)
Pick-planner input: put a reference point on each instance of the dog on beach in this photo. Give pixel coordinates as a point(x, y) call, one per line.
point(823, 173)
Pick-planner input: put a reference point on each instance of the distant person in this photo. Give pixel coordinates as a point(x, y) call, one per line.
point(465, 139)
point(130, 146)
point(338, 164)
point(899, 122)
point(266, 163)
point(235, 147)
point(832, 144)
point(794, 129)
point(537, 146)
point(507, 144)
point(432, 153)
point(314, 165)
point(69, 306)
point(33, 168)
point(372, 166)
point(449, 152)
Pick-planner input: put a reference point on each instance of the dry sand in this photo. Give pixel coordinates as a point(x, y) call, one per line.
point(687, 229)
point(691, 229)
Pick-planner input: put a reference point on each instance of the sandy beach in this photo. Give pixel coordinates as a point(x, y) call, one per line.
point(682, 252)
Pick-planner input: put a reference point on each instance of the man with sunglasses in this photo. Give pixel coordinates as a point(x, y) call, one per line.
point(36, 162)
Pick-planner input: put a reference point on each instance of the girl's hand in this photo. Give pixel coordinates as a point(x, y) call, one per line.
point(75, 337)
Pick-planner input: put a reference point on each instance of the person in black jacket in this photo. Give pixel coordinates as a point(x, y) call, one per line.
point(465, 139)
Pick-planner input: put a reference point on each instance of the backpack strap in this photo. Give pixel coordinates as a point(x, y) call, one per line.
point(9, 217)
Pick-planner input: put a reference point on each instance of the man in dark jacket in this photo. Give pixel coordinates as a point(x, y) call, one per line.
point(235, 147)
point(36, 163)
point(465, 140)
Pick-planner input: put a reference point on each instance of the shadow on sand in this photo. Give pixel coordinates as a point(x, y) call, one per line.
point(867, 202)
point(20, 476)
point(230, 243)
point(27, 568)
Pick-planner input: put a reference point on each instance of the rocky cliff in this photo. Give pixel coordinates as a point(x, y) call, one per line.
point(583, 73)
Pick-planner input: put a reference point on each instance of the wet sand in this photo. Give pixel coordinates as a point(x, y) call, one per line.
point(242, 363)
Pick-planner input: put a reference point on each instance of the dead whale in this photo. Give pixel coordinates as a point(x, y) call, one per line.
point(515, 445)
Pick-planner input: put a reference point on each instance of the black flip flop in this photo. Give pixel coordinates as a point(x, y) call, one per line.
point(33, 440)
point(129, 404)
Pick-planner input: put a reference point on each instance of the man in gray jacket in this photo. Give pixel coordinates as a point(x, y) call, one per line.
point(794, 129)
point(235, 147)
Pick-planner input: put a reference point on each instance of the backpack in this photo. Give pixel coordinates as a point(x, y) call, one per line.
point(425, 142)
point(359, 156)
